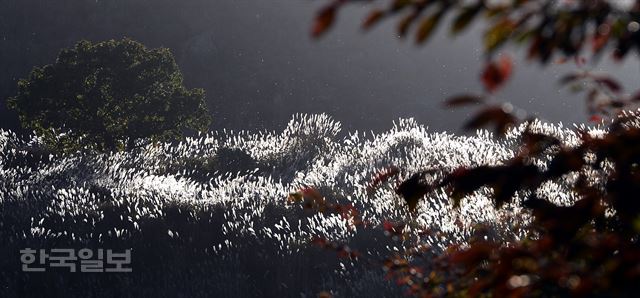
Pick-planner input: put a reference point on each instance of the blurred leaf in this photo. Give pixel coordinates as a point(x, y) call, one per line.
point(400, 4)
point(496, 115)
point(393, 229)
point(465, 17)
point(570, 78)
point(373, 18)
point(599, 41)
point(295, 197)
point(636, 96)
point(498, 34)
point(413, 189)
point(464, 181)
point(617, 104)
point(595, 119)
point(427, 26)
point(495, 74)
point(536, 143)
point(565, 161)
point(465, 99)
point(495, 11)
point(324, 20)
point(610, 83)
point(474, 255)
point(405, 24)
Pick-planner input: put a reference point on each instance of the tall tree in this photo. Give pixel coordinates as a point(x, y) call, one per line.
point(109, 94)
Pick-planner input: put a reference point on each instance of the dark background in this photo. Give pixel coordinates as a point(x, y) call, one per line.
point(258, 64)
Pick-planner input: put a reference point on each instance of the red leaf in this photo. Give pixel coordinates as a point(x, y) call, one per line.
point(373, 18)
point(324, 20)
point(496, 73)
point(595, 118)
point(600, 40)
point(392, 229)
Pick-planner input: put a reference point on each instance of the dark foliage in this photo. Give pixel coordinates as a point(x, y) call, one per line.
point(109, 95)
point(589, 248)
point(547, 26)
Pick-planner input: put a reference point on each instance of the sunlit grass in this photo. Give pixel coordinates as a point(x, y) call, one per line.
point(211, 200)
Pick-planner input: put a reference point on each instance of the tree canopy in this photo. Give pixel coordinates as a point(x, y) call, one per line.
point(109, 94)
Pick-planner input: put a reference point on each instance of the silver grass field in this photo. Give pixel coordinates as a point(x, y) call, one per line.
point(209, 216)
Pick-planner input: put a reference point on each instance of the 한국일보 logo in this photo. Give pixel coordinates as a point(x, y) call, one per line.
point(83, 260)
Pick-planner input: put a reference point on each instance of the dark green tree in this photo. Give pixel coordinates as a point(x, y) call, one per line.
point(108, 95)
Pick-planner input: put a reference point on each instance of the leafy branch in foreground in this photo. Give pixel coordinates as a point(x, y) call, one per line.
point(587, 248)
point(546, 26)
